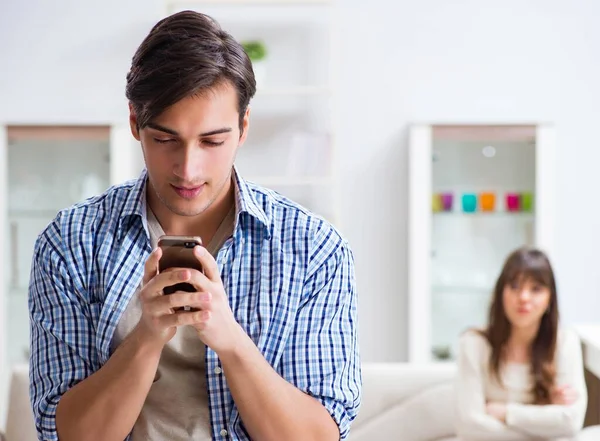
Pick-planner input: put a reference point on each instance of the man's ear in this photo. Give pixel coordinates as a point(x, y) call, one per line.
point(245, 127)
point(133, 123)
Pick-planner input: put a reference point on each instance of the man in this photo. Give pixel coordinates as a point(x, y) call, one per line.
point(269, 353)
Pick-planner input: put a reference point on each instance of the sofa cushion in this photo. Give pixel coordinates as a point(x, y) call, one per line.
point(591, 433)
point(426, 416)
point(387, 384)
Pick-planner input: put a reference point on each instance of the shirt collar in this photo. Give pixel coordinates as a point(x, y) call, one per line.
point(245, 201)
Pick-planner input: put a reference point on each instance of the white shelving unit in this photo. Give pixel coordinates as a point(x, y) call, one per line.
point(45, 169)
point(455, 256)
point(291, 146)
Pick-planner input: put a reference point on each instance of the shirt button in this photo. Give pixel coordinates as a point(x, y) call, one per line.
point(218, 370)
point(223, 432)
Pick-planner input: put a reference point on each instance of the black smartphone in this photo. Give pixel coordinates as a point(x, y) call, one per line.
point(178, 252)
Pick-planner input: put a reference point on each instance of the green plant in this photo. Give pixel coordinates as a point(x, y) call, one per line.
point(442, 352)
point(256, 50)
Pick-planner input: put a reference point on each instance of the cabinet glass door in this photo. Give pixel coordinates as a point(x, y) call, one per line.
point(483, 207)
point(49, 168)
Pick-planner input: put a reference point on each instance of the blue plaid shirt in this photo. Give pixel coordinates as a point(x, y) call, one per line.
point(288, 274)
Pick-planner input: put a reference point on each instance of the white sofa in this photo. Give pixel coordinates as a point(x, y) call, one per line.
point(401, 402)
point(412, 402)
point(19, 422)
point(406, 402)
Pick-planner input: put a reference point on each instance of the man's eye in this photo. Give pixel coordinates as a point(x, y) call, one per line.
point(163, 141)
point(213, 143)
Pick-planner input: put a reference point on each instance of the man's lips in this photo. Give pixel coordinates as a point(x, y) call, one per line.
point(188, 192)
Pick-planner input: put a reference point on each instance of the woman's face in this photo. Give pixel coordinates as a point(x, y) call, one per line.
point(525, 302)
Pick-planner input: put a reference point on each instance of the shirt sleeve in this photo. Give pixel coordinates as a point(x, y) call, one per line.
point(473, 423)
point(63, 348)
point(321, 357)
point(553, 421)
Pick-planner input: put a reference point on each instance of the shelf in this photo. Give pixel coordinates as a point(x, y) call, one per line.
point(291, 181)
point(33, 213)
point(463, 289)
point(484, 214)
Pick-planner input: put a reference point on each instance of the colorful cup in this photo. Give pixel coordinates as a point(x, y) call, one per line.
point(446, 201)
point(469, 202)
point(527, 201)
point(513, 202)
point(487, 201)
point(436, 202)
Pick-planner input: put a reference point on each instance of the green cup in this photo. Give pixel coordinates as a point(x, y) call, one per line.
point(527, 201)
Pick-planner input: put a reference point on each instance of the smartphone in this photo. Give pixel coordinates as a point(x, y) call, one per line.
point(178, 252)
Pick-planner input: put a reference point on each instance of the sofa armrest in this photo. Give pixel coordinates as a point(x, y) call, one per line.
point(388, 384)
point(20, 425)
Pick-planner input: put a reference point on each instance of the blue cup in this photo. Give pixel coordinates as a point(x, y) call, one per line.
point(469, 202)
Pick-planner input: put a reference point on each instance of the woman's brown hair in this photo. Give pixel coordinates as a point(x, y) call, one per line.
point(521, 265)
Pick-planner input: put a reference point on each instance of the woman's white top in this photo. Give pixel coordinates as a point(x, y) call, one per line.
point(524, 420)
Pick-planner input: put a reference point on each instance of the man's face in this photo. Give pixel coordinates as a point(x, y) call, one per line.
point(190, 148)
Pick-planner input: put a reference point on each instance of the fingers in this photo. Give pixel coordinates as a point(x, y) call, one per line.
point(569, 395)
point(170, 277)
point(165, 304)
point(183, 318)
point(209, 265)
point(564, 395)
point(151, 266)
point(177, 275)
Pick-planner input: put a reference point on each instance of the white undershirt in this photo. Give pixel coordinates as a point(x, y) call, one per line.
point(176, 408)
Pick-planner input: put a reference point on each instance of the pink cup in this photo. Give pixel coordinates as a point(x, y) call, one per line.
point(447, 201)
point(513, 202)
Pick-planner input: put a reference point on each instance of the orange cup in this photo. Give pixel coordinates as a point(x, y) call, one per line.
point(487, 201)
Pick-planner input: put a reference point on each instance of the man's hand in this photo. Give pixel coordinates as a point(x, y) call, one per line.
point(217, 327)
point(563, 395)
point(497, 410)
point(159, 320)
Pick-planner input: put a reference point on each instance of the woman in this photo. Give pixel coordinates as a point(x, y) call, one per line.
point(521, 378)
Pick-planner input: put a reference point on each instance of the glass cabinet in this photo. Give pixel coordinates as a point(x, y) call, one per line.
point(46, 169)
point(476, 194)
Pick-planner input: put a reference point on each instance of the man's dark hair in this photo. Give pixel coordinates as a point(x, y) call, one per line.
point(186, 54)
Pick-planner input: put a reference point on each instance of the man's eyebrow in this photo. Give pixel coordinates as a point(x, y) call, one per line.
point(162, 129)
point(217, 131)
point(174, 133)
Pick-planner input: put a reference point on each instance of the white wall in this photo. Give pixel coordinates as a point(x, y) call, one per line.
point(66, 60)
point(467, 61)
point(431, 60)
